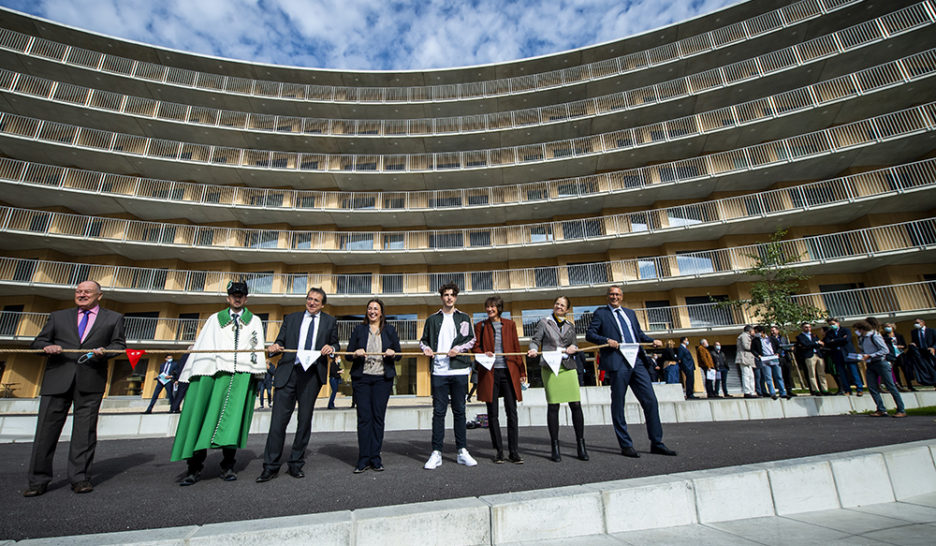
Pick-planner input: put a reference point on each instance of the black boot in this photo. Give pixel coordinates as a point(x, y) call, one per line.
point(555, 453)
point(582, 454)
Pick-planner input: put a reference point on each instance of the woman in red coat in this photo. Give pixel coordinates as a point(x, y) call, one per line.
point(497, 335)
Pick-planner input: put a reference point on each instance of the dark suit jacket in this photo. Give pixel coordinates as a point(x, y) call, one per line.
point(929, 340)
point(288, 338)
point(684, 358)
point(603, 327)
point(840, 343)
point(389, 339)
point(63, 369)
point(807, 346)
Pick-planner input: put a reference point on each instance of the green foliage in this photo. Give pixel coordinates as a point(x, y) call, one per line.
point(776, 281)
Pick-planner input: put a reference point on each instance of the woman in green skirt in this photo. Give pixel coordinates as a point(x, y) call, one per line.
point(555, 334)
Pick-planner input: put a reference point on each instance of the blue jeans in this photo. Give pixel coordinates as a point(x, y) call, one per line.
point(334, 383)
point(444, 389)
point(672, 374)
point(881, 369)
point(760, 386)
point(777, 374)
point(848, 375)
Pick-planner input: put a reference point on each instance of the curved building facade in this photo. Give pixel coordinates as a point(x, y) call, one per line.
point(660, 162)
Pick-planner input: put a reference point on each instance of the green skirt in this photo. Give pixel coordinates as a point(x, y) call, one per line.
point(561, 388)
point(217, 413)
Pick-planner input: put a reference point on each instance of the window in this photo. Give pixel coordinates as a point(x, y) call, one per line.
point(356, 241)
point(302, 240)
point(580, 229)
point(9, 319)
point(541, 234)
point(659, 315)
point(188, 327)
point(834, 245)
point(297, 284)
point(438, 279)
point(530, 317)
point(204, 237)
point(392, 283)
point(260, 283)
point(353, 284)
point(684, 216)
point(141, 326)
point(359, 202)
point(545, 277)
point(394, 242)
point(479, 238)
point(695, 263)
point(646, 268)
point(261, 239)
point(148, 279)
point(704, 312)
point(844, 301)
point(195, 281)
point(588, 273)
point(482, 280)
point(80, 274)
point(24, 270)
point(446, 240)
point(478, 199)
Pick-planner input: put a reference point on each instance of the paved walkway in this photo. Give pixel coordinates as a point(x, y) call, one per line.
point(136, 489)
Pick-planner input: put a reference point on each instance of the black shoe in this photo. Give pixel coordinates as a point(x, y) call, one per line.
point(228, 475)
point(515, 458)
point(363, 469)
point(751, 396)
point(377, 468)
point(266, 475)
point(297, 473)
point(582, 454)
point(661, 449)
point(790, 395)
point(630, 452)
point(692, 397)
point(555, 457)
point(774, 397)
point(499, 458)
point(190, 479)
point(84, 486)
point(36, 490)
point(147, 412)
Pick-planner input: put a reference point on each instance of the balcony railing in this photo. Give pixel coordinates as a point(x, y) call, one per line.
point(857, 244)
point(850, 85)
point(733, 34)
point(172, 150)
point(920, 176)
point(880, 301)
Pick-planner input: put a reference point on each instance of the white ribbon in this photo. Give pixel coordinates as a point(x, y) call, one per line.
point(485, 360)
point(629, 350)
point(307, 357)
point(553, 360)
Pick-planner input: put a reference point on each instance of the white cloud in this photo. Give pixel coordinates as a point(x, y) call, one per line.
point(370, 34)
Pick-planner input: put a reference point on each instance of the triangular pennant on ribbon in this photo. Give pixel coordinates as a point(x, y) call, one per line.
point(134, 356)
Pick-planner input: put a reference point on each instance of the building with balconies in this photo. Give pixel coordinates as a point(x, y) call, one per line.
point(661, 162)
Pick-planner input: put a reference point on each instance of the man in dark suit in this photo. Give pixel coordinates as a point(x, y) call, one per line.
point(168, 374)
point(613, 325)
point(73, 378)
point(839, 340)
point(311, 329)
point(924, 338)
point(179, 388)
point(686, 366)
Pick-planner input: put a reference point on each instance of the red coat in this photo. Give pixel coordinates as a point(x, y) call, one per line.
point(484, 334)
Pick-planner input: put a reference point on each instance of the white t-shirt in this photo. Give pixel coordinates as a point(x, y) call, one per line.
point(447, 333)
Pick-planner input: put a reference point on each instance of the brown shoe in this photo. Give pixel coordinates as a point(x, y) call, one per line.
point(899, 415)
point(35, 490)
point(878, 414)
point(83, 486)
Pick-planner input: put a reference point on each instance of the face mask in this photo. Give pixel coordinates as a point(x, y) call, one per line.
point(833, 326)
point(888, 329)
point(718, 347)
point(917, 325)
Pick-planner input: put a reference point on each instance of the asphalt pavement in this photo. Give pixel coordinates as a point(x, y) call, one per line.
point(135, 484)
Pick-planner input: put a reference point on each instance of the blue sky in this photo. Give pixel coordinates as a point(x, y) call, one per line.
point(370, 34)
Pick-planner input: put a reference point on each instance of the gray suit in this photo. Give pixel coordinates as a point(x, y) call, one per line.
point(68, 381)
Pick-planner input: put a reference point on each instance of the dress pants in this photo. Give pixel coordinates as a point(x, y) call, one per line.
point(504, 387)
point(689, 376)
point(444, 388)
point(761, 375)
point(197, 461)
point(372, 393)
point(334, 383)
point(786, 366)
point(181, 389)
point(723, 372)
point(303, 386)
point(53, 410)
point(748, 379)
point(639, 380)
point(881, 371)
point(848, 375)
point(815, 369)
point(159, 387)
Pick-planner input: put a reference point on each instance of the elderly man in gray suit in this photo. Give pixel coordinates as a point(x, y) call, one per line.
point(73, 378)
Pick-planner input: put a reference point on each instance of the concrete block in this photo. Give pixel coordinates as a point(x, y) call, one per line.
point(833, 405)
point(402, 419)
point(763, 408)
point(594, 414)
point(801, 406)
point(18, 425)
point(523, 415)
point(862, 403)
point(326, 420)
point(601, 395)
point(729, 410)
point(545, 514)
point(119, 425)
point(693, 411)
point(260, 424)
point(910, 401)
point(19, 405)
point(731, 496)
point(667, 412)
point(327, 528)
point(535, 396)
point(802, 487)
point(911, 470)
point(633, 413)
point(445, 522)
point(163, 537)
point(647, 503)
point(537, 416)
point(862, 479)
point(672, 392)
point(157, 424)
point(926, 398)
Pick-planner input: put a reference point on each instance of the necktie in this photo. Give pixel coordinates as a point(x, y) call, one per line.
point(625, 329)
point(310, 336)
point(83, 324)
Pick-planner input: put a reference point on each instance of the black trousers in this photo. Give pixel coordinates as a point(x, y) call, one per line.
point(53, 410)
point(302, 387)
point(181, 389)
point(503, 387)
point(786, 367)
point(690, 381)
point(159, 387)
point(372, 393)
point(197, 461)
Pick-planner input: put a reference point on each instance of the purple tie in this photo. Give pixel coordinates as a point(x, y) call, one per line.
point(83, 324)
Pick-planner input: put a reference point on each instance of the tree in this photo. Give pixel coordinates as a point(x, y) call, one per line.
point(776, 282)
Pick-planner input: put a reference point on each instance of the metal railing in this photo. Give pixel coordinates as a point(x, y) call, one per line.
point(849, 85)
point(881, 301)
point(918, 176)
point(733, 34)
point(883, 240)
point(173, 150)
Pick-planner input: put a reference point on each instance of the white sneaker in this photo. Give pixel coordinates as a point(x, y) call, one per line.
point(465, 458)
point(435, 461)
